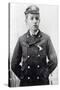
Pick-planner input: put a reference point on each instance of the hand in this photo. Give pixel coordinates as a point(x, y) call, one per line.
point(44, 73)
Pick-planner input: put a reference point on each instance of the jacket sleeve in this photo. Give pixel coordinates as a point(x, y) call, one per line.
point(16, 59)
point(51, 56)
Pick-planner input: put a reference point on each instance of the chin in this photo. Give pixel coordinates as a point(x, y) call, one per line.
point(35, 29)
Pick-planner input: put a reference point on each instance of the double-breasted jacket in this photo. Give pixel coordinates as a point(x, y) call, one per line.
point(33, 52)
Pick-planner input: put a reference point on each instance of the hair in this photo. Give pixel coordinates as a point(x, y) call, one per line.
point(26, 15)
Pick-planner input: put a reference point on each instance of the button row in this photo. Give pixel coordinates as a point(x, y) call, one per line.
point(37, 55)
point(36, 77)
point(38, 66)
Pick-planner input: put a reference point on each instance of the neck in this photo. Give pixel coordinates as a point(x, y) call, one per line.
point(35, 33)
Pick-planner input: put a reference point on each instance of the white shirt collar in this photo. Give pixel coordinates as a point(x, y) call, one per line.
point(34, 33)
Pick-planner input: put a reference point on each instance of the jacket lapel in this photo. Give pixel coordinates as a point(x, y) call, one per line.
point(31, 40)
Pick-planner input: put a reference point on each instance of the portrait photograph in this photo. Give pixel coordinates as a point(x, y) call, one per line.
point(32, 45)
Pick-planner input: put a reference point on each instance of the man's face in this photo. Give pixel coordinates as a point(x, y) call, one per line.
point(33, 21)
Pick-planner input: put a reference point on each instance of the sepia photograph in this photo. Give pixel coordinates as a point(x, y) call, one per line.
point(33, 44)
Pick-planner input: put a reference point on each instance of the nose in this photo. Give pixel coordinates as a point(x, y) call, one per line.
point(35, 21)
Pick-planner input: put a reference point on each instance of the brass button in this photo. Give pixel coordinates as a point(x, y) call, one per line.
point(28, 67)
point(39, 35)
point(38, 55)
point(27, 36)
point(28, 56)
point(38, 66)
point(28, 78)
point(37, 77)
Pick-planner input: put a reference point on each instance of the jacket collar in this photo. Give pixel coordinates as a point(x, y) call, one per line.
point(31, 40)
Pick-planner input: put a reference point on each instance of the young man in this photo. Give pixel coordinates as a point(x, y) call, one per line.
point(33, 49)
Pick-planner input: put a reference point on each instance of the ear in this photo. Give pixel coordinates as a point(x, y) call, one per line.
point(26, 20)
point(39, 20)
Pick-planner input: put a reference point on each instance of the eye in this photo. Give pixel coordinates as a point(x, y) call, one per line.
point(31, 18)
point(37, 18)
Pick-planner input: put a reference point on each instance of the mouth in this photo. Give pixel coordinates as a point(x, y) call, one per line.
point(35, 29)
point(35, 26)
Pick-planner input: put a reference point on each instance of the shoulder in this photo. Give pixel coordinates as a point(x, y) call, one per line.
point(22, 38)
point(45, 36)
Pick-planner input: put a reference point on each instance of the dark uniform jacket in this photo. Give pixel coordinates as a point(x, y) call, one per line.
point(33, 52)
